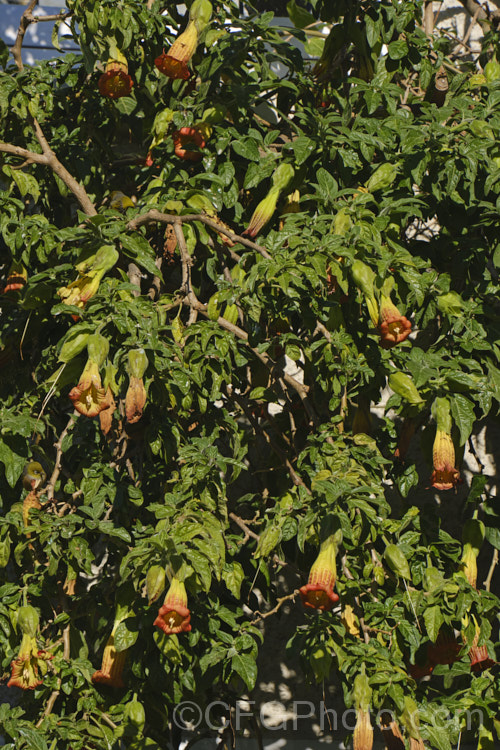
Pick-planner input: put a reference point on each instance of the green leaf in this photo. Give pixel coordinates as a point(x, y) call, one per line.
point(138, 248)
point(246, 667)
point(126, 634)
point(299, 16)
point(462, 411)
point(233, 576)
point(433, 619)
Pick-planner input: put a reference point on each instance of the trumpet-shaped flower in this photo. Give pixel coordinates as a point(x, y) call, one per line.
point(173, 63)
point(318, 592)
point(363, 731)
point(89, 397)
point(115, 81)
point(174, 615)
point(393, 326)
point(445, 476)
point(184, 140)
point(28, 669)
point(112, 665)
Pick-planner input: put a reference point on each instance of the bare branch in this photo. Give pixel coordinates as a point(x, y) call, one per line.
point(281, 601)
point(154, 215)
point(494, 563)
point(57, 467)
point(23, 25)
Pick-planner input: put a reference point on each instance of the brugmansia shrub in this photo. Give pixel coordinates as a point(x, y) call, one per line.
point(209, 276)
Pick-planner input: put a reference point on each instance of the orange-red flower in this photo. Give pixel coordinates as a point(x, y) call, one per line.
point(480, 659)
point(318, 592)
point(174, 615)
point(89, 397)
point(445, 475)
point(28, 669)
point(393, 326)
point(184, 139)
point(112, 665)
point(115, 81)
point(174, 63)
point(16, 278)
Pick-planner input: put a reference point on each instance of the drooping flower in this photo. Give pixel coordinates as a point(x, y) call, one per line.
point(478, 655)
point(349, 620)
point(281, 180)
point(30, 501)
point(363, 731)
point(445, 476)
point(185, 139)
point(30, 666)
point(318, 592)
point(173, 63)
point(174, 615)
point(112, 665)
point(135, 397)
point(446, 649)
point(16, 278)
point(91, 272)
point(393, 327)
point(89, 397)
point(106, 415)
point(115, 81)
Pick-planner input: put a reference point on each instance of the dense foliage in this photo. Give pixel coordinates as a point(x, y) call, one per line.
point(224, 382)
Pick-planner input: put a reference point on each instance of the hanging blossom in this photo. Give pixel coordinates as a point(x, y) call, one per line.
point(318, 592)
point(173, 63)
point(393, 326)
point(91, 272)
point(89, 397)
point(135, 398)
point(115, 81)
point(445, 475)
point(112, 664)
point(363, 731)
point(174, 615)
point(16, 278)
point(30, 666)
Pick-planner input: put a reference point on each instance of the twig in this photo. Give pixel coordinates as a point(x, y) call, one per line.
point(280, 601)
point(57, 467)
point(154, 215)
point(428, 18)
point(134, 276)
point(494, 563)
point(249, 533)
point(187, 262)
point(21, 31)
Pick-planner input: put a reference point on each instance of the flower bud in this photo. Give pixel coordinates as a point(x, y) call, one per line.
point(263, 213)
point(73, 345)
point(200, 13)
point(155, 582)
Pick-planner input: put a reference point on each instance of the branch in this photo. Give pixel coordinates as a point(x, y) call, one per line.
point(281, 600)
point(49, 159)
point(154, 215)
point(57, 467)
point(23, 25)
point(249, 533)
point(494, 563)
point(476, 10)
